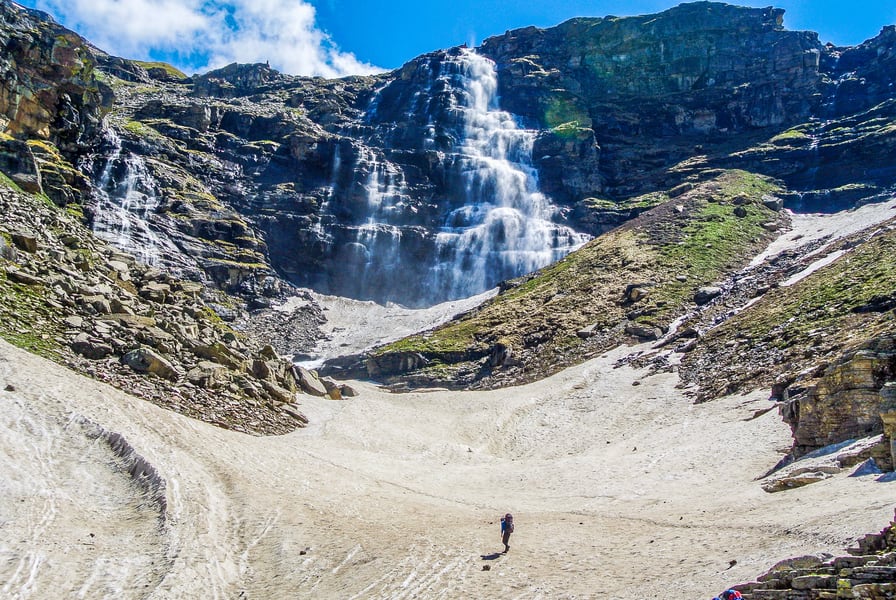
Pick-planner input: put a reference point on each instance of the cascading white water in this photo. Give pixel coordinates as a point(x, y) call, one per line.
point(377, 240)
point(127, 199)
point(385, 187)
point(505, 228)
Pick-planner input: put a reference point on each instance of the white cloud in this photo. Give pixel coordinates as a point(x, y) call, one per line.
point(208, 34)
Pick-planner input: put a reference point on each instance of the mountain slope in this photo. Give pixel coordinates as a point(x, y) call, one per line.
point(628, 284)
point(361, 186)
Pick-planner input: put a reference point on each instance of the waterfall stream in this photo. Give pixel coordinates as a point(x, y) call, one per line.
point(494, 222)
point(127, 199)
point(506, 227)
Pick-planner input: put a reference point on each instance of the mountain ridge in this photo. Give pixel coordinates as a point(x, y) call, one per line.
point(676, 140)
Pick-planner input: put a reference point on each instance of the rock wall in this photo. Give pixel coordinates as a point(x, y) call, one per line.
point(50, 89)
point(345, 185)
point(846, 402)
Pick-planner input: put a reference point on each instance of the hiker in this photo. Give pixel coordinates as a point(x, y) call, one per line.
point(506, 530)
point(729, 595)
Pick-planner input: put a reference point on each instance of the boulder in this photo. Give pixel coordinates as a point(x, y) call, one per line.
point(91, 349)
point(772, 203)
point(268, 353)
point(209, 375)
point(587, 332)
point(635, 292)
point(309, 382)
point(157, 292)
point(74, 321)
point(293, 411)
point(22, 277)
point(157, 338)
point(706, 293)
point(645, 332)
point(221, 353)
point(99, 304)
point(119, 269)
point(334, 390)
point(6, 251)
point(279, 394)
point(261, 369)
point(25, 240)
point(348, 391)
point(144, 360)
point(791, 481)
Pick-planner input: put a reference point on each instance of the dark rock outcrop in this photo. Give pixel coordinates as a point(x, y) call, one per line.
point(335, 183)
point(50, 89)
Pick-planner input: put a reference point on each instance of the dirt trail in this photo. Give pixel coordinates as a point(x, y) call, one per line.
point(619, 491)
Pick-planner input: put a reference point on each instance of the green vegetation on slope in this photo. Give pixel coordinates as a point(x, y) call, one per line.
point(169, 69)
point(26, 318)
point(670, 251)
point(811, 322)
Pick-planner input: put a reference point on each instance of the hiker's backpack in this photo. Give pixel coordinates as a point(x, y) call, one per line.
point(508, 524)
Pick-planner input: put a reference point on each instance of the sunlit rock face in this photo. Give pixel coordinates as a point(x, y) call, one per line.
point(695, 75)
point(460, 169)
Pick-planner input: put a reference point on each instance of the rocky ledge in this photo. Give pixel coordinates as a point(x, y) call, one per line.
point(868, 571)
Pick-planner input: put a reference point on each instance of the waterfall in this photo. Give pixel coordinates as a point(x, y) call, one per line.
point(375, 252)
point(505, 227)
point(441, 200)
point(127, 199)
point(385, 187)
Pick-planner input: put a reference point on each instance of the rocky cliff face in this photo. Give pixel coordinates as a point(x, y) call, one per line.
point(364, 186)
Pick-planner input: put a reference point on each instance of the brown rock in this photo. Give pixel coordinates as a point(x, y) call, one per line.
point(23, 277)
point(210, 375)
point(706, 293)
point(92, 350)
point(278, 393)
point(144, 360)
point(25, 241)
point(643, 331)
point(309, 382)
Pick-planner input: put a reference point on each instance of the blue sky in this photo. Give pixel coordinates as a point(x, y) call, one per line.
point(339, 37)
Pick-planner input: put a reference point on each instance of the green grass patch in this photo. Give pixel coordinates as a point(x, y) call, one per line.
point(642, 202)
point(791, 136)
point(713, 239)
point(169, 69)
point(6, 181)
point(142, 130)
point(829, 298)
point(456, 337)
point(27, 320)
